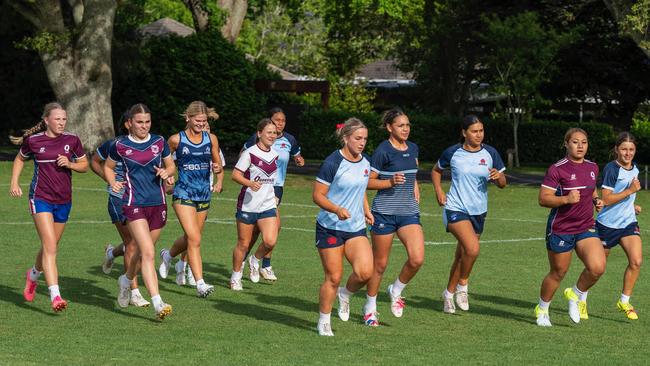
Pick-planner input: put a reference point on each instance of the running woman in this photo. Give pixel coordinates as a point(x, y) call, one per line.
point(256, 171)
point(56, 154)
point(569, 190)
point(287, 147)
point(143, 156)
point(616, 222)
point(473, 165)
point(195, 151)
point(396, 209)
point(340, 192)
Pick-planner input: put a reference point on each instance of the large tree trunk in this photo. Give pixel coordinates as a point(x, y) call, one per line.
point(78, 63)
point(236, 13)
point(200, 14)
point(620, 9)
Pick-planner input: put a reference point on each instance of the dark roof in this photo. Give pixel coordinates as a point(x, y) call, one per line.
point(383, 69)
point(165, 26)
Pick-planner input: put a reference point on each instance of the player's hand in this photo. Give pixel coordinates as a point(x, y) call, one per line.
point(370, 219)
point(63, 161)
point(299, 160)
point(255, 186)
point(216, 168)
point(637, 209)
point(397, 178)
point(217, 187)
point(117, 187)
point(343, 213)
point(573, 197)
point(494, 174)
point(170, 181)
point(635, 185)
point(15, 191)
point(598, 203)
point(162, 173)
point(442, 199)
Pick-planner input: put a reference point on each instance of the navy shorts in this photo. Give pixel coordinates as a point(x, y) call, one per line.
point(60, 211)
point(611, 237)
point(330, 238)
point(251, 218)
point(561, 243)
point(388, 224)
point(115, 209)
point(156, 216)
point(450, 217)
point(279, 190)
point(198, 205)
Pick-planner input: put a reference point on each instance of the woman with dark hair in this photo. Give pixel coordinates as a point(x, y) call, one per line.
point(472, 164)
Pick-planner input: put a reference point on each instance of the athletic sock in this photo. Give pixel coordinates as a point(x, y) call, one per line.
point(157, 301)
point(581, 294)
point(34, 274)
point(236, 276)
point(266, 262)
point(200, 283)
point(544, 305)
point(344, 293)
point(135, 292)
point(180, 266)
point(461, 288)
point(54, 291)
point(398, 287)
point(109, 254)
point(324, 318)
point(166, 256)
point(124, 281)
point(625, 298)
point(447, 294)
point(371, 304)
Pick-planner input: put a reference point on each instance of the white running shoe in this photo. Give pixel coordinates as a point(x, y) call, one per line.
point(139, 301)
point(180, 274)
point(543, 319)
point(164, 265)
point(448, 304)
point(236, 285)
point(325, 329)
point(204, 291)
point(462, 300)
point(163, 311)
point(190, 276)
point(574, 311)
point(396, 303)
point(344, 306)
point(107, 266)
point(254, 264)
point(371, 319)
point(124, 295)
point(268, 274)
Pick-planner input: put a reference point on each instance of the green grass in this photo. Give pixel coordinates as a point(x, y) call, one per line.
point(274, 323)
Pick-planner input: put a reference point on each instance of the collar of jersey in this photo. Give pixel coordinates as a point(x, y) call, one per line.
point(140, 141)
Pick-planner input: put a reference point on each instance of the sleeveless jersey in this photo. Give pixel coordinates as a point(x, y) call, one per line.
point(194, 163)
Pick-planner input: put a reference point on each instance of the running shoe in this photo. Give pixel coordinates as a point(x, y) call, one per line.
point(163, 311)
point(628, 309)
point(325, 329)
point(124, 296)
point(205, 290)
point(543, 319)
point(371, 319)
point(344, 306)
point(268, 274)
point(107, 266)
point(574, 312)
point(190, 276)
point(180, 274)
point(448, 304)
point(462, 300)
point(254, 265)
point(582, 308)
point(138, 300)
point(164, 265)
point(236, 285)
point(58, 304)
point(396, 302)
point(30, 287)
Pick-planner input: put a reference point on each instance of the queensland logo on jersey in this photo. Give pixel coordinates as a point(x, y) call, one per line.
point(41, 150)
point(573, 177)
point(66, 148)
point(128, 152)
point(185, 150)
point(155, 149)
point(260, 163)
point(482, 162)
point(593, 176)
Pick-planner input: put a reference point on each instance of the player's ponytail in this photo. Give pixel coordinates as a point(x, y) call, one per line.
point(40, 126)
point(348, 128)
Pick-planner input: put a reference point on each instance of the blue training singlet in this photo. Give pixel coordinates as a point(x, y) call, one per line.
point(194, 162)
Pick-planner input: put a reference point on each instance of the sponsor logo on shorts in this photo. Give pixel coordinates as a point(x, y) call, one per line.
point(244, 215)
point(203, 205)
point(592, 230)
point(164, 214)
point(453, 217)
point(381, 226)
point(136, 210)
point(561, 243)
point(331, 240)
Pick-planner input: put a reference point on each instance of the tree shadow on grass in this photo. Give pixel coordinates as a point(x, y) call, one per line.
point(288, 301)
point(503, 300)
point(15, 296)
point(265, 314)
point(210, 268)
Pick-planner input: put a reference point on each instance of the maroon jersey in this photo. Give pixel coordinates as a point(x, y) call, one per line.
point(51, 182)
point(565, 176)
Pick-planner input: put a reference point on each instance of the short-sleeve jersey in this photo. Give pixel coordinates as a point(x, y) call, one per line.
point(347, 181)
point(194, 163)
point(617, 179)
point(139, 159)
point(563, 177)
point(102, 151)
point(259, 166)
point(286, 146)
point(386, 161)
point(51, 183)
point(470, 172)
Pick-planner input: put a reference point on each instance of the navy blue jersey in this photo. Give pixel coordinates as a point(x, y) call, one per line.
point(102, 151)
point(194, 162)
point(386, 161)
point(286, 146)
point(139, 159)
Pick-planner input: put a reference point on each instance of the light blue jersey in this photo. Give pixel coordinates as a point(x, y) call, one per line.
point(617, 179)
point(194, 162)
point(470, 171)
point(347, 183)
point(386, 161)
point(287, 147)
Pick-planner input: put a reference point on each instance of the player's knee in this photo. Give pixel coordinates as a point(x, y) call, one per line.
point(333, 279)
point(557, 274)
point(597, 269)
point(415, 262)
point(194, 240)
point(472, 251)
point(380, 267)
point(635, 264)
point(364, 273)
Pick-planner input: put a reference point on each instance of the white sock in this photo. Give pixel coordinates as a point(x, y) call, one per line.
point(324, 318)
point(461, 288)
point(344, 293)
point(166, 256)
point(109, 254)
point(625, 298)
point(200, 283)
point(124, 281)
point(371, 304)
point(544, 304)
point(54, 291)
point(34, 274)
point(581, 294)
point(236, 276)
point(157, 301)
point(180, 266)
point(398, 287)
point(447, 294)
point(135, 292)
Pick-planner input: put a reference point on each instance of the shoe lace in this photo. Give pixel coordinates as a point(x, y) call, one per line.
point(345, 306)
point(400, 302)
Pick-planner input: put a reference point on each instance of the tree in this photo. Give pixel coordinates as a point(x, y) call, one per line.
point(205, 15)
point(634, 19)
point(73, 40)
point(520, 56)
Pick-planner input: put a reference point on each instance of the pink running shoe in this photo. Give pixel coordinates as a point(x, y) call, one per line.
point(30, 288)
point(58, 304)
point(371, 319)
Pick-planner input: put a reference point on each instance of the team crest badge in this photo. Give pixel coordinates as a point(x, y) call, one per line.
point(482, 162)
point(66, 148)
point(155, 149)
point(41, 150)
point(128, 152)
point(593, 176)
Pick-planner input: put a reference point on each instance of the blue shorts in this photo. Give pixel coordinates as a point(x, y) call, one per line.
point(450, 217)
point(611, 237)
point(279, 190)
point(561, 243)
point(60, 211)
point(330, 238)
point(115, 209)
point(251, 218)
point(388, 224)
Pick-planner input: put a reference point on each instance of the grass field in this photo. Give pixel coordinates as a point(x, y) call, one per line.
point(274, 323)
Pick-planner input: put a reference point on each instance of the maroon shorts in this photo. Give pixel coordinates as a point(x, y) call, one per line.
point(156, 216)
